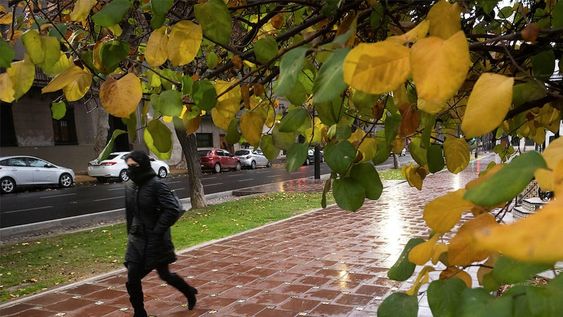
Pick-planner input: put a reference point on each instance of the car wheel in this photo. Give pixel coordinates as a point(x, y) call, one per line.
point(269, 164)
point(162, 173)
point(307, 161)
point(239, 167)
point(123, 177)
point(8, 185)
point(217, 168)
point(65, 180)
point(253, 165)
point(101, 179)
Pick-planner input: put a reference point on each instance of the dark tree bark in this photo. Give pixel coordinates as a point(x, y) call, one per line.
point(395, 161)
point(189, 148)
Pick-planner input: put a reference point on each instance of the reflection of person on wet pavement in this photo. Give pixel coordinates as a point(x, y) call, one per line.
point(151, 210)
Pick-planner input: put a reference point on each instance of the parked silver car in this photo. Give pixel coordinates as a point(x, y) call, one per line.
point(114, 166)
point(16, 171)
point(252, 158)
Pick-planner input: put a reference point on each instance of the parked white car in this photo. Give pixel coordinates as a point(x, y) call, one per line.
point(16, 171)
point(252, 158)
point(115, 167)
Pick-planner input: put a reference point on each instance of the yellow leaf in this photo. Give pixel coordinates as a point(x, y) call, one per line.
point(398, 145)
point(421, 279)
point(544, 177)
point(121, 97)
point(454, 272)
point(314, 133)
point(558, 179)
point(191, 124)
point(60, 66)
point(442, 213)
point(445, 19)
point(78, 88)
point(423, 252)
point(51, 50)
point(418, 32)
point(414, 175)
point(487, 105)
point(536, 238)
point(74, 82)
point(22, 74)
point(167, 119)
point(462, 249)
point(156, 53)
point(368, 148)
point(6, 88)
point(81, 10)
point(184, 42)
point(356, 137)
point(553, 154)
point(401, 98)
point(439, 249)
point(227, 105)
point(457, 154)
point(7, 18)
point(486, 268)
point(251, 124)
point(377, 68)
point(439, 68)
point(32, 43)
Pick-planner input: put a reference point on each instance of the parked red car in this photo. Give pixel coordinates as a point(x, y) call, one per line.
point(218, 160)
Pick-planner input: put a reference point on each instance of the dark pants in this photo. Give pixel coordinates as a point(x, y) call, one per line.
point(136, 272)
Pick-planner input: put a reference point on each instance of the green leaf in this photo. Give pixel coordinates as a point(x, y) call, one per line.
point(112, 13)
point(112, 53)
point(215, 20)
point(340, 156)
point(546, 301)
point(212, 60)
point(557, 15)
point(366, 175)
point(487, 5)
point(298, 94)
point(187, 85)
point(377, 16)
point(131, 123)
point(290, 66)
point(508, 182)
point(403, 268)
point(392, 124)
point(109, 146)
point(509, 271)
point(282, 140)
point(329, 112)
point(329, 8)
point(159, 10)
point(158, 139)
point(326, 189)
point(267, 145)
point(543, 64)
point(7, 54)
point(265, 49)
point(418, 153)
point(349, 195)
point(435, 158)
point(329, 83)
point(58, 110)
point(168, 103)
point(398, 305)
point(233, 133)
point(528, 91)
point(204, 94)
point(505, 12)
point(293, 120)
point(364, 102)
point(339, 131)
point(52, 50)
point(444, 297)
point(476, 302)
point(296, 155)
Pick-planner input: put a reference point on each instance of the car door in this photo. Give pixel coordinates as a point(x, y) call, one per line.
point(262, 160)
point(18, 169)
point(226, 157)
point(42, 173)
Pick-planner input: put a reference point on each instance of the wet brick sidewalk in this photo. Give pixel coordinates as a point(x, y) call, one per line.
point(324, 263)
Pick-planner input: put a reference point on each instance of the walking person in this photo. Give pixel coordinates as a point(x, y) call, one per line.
point(151, 209)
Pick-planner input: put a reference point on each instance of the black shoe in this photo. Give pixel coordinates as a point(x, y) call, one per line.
point(192, 291)
point(140, 313)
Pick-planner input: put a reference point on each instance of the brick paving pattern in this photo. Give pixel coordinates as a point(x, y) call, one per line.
point(324, 263)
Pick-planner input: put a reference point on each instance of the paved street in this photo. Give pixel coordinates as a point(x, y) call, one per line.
point(41, 205)
point(324, 263)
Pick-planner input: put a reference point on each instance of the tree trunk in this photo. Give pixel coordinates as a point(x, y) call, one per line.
point(102, 128)
point(395, 161)
point(189, 148)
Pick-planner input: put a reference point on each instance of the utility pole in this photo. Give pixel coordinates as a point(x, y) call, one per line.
point(317, 162)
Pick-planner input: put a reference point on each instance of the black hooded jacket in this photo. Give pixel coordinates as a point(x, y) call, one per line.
point(151, 209)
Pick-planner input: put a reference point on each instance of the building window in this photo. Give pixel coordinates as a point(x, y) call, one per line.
point(7, 133)
point(204, 139)
point(65, 129)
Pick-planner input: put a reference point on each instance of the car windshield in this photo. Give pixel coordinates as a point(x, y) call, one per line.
point(111, 157)
point(203, 152)
point(242, 152)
